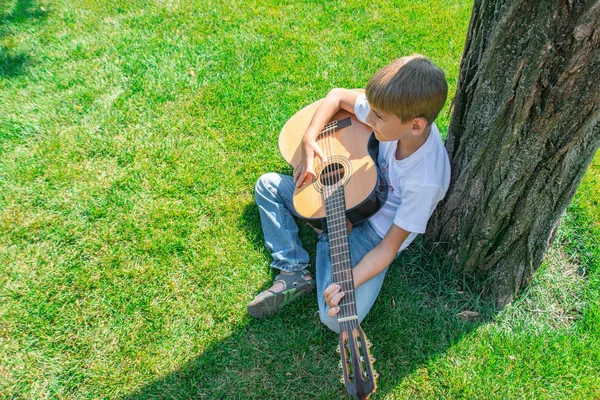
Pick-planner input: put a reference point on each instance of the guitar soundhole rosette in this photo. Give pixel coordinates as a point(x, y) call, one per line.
point(333, 173)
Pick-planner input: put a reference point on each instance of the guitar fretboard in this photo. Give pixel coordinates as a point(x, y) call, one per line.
point(337, 228)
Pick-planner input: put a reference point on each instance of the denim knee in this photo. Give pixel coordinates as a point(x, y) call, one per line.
point(266, 182)
point(330, 322)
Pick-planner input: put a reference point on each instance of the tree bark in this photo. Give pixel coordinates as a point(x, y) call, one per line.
point(525, 127)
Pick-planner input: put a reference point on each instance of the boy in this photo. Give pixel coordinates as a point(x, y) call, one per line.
point(401, 102)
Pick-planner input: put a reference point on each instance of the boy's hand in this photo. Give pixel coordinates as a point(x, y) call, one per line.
point(305, 168)
point(333, 295)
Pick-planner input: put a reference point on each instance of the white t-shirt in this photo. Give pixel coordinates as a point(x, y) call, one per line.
point(416, 184)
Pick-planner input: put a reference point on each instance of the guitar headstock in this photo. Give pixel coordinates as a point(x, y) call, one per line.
point(357, 363)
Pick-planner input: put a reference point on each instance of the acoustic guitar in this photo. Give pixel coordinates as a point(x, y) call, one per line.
point(348, 187)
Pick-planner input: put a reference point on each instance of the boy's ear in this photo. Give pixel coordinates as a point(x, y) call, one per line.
point(419, 125)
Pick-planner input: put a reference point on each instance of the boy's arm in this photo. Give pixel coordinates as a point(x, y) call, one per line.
point(370, 266)
point(336, 99)
point(380, 256)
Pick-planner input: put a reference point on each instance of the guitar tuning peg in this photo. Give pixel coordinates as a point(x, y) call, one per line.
point(373, 359)
point(369, 344)
point(375, 374)
point(362, 359)
point(342, 380)
point(340, 365)
point(338, 349)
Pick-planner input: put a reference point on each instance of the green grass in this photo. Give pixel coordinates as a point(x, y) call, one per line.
point(131, 136)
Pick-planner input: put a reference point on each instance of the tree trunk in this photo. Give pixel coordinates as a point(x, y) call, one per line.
point(525, 126)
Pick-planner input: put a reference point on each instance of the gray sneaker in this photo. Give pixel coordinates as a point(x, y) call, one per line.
point(269, 303)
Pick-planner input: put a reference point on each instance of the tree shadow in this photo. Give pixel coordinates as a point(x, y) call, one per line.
point(292, 355)
point(13, 64)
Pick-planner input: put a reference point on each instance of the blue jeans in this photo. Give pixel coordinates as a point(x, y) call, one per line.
point(274, 197)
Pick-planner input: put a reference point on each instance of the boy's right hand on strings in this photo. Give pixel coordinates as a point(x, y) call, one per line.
point(305, 168)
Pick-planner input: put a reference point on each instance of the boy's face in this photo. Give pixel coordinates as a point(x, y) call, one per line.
point(388, 127)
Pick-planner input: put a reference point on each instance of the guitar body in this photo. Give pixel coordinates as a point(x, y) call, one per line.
point(352, 152)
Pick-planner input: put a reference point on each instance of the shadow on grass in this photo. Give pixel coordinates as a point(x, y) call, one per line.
point(292, 355)
point(12, 64)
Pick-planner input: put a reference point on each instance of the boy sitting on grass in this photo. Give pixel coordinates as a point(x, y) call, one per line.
point(402, 100)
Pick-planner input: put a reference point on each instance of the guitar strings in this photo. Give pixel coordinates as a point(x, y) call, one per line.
point(329, 185)
point(338, 206)
point(342, 241)
point(349, 278)
point(328, 191)
point(348, 270)
point(325, 149)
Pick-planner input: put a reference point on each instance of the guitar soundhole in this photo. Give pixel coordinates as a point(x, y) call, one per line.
point(336, 171)
point(332, 174)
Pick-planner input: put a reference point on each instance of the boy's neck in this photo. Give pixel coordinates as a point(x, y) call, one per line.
point(407, 147)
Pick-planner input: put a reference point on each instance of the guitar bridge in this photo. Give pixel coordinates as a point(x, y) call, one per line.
point(343, 123)
point(335, 125)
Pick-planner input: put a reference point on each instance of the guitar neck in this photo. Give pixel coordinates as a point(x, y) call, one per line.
point(337, 228)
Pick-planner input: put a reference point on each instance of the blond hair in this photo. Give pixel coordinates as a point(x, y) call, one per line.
point(409, 87)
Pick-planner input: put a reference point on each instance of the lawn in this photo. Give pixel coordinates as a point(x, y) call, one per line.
point(131, 136)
